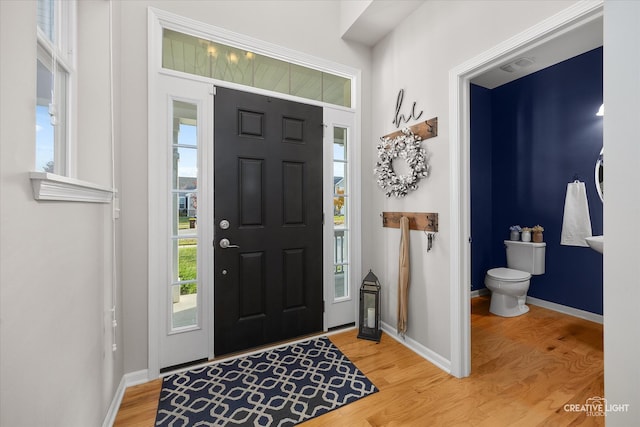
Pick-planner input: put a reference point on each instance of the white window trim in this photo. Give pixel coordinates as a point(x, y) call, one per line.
point(159, 19)
point(49, 186)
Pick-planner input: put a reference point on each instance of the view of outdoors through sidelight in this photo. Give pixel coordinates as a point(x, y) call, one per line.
point(340, 213)
point(184, 201)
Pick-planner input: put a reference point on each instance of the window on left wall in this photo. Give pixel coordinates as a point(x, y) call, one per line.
point(56, 23)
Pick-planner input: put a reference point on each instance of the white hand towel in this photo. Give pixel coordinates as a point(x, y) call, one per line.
point(576, 223)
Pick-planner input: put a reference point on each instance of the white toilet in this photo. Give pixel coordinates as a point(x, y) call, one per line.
point(509, 286)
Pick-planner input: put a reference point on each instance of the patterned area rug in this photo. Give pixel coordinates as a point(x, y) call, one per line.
point(280, 387)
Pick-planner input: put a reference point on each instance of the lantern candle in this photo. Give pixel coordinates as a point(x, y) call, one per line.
point(371, 318)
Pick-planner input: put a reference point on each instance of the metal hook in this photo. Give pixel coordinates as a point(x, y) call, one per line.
point(430, 237)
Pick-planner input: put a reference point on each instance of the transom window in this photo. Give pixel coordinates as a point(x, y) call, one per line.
point(193, 55)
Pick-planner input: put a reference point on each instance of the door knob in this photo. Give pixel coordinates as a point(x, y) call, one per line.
point(225, 244)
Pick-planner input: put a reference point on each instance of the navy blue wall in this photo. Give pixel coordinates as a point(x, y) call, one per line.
point(544, 131)
point(481, 191)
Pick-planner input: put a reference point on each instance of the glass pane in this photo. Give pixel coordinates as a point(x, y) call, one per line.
point(230, 64)
point(341, 282)
point(271, 74)
point(185, 213)
point(186, 115)
point(336, 90)
point(340, 249)
point(50, 118)
point(369, 310)
point(306, 83)
point(340, 212)
point(184, 300)
point(185, 260)
point(46, 18)
point(185, 168)
point(45, 135)
point(339, 178)
point(339, 143)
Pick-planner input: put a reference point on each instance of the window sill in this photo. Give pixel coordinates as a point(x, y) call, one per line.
point(49, 186)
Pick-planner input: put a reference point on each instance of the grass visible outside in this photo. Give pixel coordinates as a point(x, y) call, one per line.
point(338, 219)
point(183, 224)
point(188, 268)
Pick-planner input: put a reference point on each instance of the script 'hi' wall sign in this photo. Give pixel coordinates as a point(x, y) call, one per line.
point(404, 144)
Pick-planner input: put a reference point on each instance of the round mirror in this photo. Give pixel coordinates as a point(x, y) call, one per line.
point(600, 175)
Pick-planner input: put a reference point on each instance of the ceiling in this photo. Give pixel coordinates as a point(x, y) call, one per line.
point(565, 46)
point(378, 18)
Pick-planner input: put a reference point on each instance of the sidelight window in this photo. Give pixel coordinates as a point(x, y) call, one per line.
point(184, 213)
point(340, 214)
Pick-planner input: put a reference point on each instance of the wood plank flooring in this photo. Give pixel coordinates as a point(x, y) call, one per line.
point(524, 370)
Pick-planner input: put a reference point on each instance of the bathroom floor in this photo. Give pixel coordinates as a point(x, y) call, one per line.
point(541, 360)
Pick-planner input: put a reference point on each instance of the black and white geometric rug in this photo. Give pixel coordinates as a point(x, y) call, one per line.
point(280, 387)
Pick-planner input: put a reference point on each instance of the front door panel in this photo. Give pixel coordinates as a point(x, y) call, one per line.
point(268, 186)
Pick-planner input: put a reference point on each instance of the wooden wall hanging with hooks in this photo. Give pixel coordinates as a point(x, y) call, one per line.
point(421, 221)
point(425, 130)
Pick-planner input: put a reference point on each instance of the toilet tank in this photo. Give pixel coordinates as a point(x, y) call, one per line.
point(526, 256)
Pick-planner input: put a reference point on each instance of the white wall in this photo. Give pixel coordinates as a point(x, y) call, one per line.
point(309, 27)
point(417, 57)
point(622, 209)
point(56, 364)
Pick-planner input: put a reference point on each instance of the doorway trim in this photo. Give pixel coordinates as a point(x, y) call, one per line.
point(459, 167)
point(157, 20)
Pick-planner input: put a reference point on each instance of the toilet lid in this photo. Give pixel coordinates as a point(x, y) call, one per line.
point(508, 274)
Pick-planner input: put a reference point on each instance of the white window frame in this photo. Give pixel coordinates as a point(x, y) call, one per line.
point(60, 55)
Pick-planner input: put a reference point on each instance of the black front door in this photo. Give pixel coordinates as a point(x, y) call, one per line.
point(268, 220)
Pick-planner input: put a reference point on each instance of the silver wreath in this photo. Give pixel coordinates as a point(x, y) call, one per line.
point(405, 146)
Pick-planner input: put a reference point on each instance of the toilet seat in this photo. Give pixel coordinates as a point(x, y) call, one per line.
point(508, 274)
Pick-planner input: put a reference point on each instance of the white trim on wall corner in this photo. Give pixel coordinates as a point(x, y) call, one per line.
point(128, 380)
point(418, 348)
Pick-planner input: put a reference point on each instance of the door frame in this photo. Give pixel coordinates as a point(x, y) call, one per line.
point(459, 162)
point(157, 21)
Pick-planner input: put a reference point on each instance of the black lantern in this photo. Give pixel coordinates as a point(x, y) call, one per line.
point(370, 308)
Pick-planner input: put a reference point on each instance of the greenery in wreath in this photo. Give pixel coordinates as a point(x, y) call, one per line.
point(405, 146)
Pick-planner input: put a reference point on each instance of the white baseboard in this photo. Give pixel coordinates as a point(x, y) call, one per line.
point(418, 348)
point(128, 380)
point(575, 312)
point(480, 292)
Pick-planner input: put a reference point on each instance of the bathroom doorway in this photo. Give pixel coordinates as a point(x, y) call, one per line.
point(568, 28)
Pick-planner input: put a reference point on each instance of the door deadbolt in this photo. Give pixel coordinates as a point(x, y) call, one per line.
point(224, 224)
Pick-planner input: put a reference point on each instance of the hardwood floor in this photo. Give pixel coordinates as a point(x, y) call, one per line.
point(524, 371)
